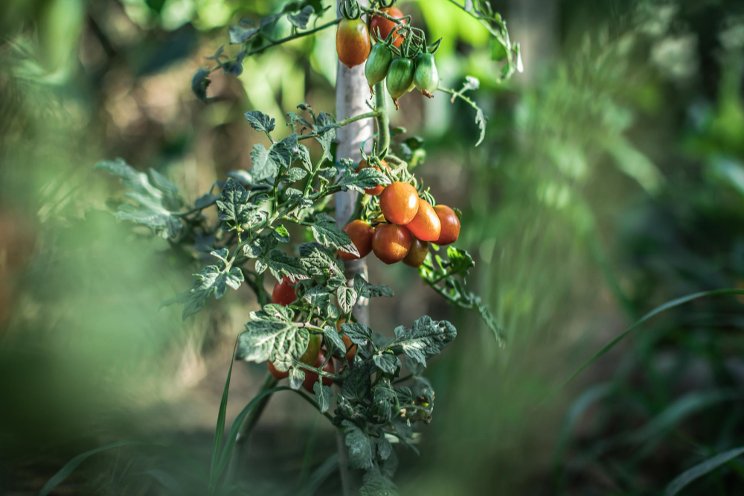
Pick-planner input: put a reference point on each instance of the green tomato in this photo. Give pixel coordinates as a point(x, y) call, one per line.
point(426, 77)
point(399, 77)
point(378, 63)
point(313, 349)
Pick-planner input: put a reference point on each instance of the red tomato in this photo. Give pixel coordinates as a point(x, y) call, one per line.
point(450, 225)
point(417, 253)
point(391, 243)
point(284, 293)
point(399, 203)
point(426, 226)
point(377, 189)
point(278, 374)
point(361, 234)
point(352, 42)
point(385, 26)
point(311, 377)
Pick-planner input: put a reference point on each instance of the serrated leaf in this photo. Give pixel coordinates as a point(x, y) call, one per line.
point(281, 234)
point(213, 280)
point(333, 340)
point(367, 290)
point(260, 121)
point(240, 34)
point(460, 261)
point(295, 174)
point(280, 264)
point(153, 200)
point(326, 232)
point(300, 18)
point(366, 178)
point(266, 338)
point(377, 484)
point(384, 402)
point(425, 339)
point(317, 262)
point(386, 362)
point(346, 298)
point(325, 133)
point(359, 446)
point(359, 334)
point(233, 207)
point(322, 395)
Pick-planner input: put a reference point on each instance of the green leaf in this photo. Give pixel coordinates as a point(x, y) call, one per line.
point(333, 341)
point(240, 34)
point(322, 395)
point(317, 262)
point(359, 334)
point(367, 178)
point(260, 121)
point(199, 84)
point(153, 200)
point(425, 339)
point(387, 362)
point(346, 298)
point(709, 465)
point(377, 484)
point(325, 133)
point(368, 290)
point(359, 446)
point(300, 18)
point(213, 280)
point(280, 264)
point(460, 260)
point(271, 336)
point(326, 232)
point(233, 207)
point(281, 234)
point(296, 378)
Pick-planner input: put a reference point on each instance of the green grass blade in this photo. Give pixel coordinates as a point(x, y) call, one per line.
point(73, 464)
point(701, 469)
point(650, 315)
point(219, 430)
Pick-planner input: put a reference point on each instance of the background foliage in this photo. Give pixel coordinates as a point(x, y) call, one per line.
point(611, 180)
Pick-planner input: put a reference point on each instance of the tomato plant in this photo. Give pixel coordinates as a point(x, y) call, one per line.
point(309, 329)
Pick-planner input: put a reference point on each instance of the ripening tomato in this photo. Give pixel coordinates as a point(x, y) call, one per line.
point(417, 253)
point(352, 42)
point(450, 225)
point(399, 203)
point(278, 374)
point(377, 189)
point(399, 78)
point(360, 233)
point(310, 356)
point(426, 76)
point(382, 26)
point(284, 293)
point(378, 63)
point(311, 377)
point(391, 243)
point(426, 225)
point(351, 348)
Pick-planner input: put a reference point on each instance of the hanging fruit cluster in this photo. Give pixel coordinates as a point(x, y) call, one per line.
point(404, 223)
point(400, 55)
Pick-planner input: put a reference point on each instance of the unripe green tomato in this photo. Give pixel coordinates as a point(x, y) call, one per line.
point(313, 349)
point(426, 77)
point(399, 77)
point(378, 63)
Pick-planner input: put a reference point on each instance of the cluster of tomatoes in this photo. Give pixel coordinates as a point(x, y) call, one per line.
point(386, 60)
point(315, 355)
point(411, 223)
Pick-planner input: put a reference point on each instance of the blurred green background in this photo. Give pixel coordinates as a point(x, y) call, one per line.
point(611, 181)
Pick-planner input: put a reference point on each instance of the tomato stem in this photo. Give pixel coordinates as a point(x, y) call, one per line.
point(382, 120)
